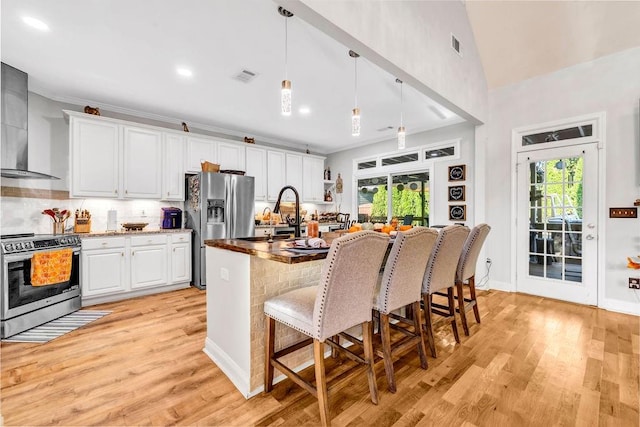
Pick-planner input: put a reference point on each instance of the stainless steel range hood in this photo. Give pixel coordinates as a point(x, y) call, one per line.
point(15, 136)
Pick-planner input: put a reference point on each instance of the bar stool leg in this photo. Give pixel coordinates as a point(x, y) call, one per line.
point(472, 289)
point(452, 312)
point(385, 336)
point(367, 341)
point(269, 347)
point(321, 382)
point(417, 324)
point(461, 308)
point(426, 298)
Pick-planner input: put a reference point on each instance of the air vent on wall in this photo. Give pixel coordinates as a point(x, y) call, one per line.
point(455, 44)
point(245, 76)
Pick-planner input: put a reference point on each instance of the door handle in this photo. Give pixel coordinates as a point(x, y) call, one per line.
point(591, 225)
point(589, 237)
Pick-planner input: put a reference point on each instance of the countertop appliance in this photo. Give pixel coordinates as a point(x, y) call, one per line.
point(217, 206)
point(171, 218)
point(24, 306)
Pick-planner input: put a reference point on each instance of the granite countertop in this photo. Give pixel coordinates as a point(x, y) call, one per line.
point(272, 251)
point(304, 224)
point(131, 233)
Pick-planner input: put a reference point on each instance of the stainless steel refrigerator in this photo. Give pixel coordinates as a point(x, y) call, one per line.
point(217, 206)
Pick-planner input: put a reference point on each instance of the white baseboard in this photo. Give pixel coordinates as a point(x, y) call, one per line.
point(500, 286)
point(238, 376)
point(621, 306)
point(101, 299)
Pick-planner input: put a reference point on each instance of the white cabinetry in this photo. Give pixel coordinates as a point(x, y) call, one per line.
point(257, 168)
point(312, 179)
point(180, 267)
point(115, 268)
point(173, 167)
point(95, 154)
point(104, 266)
point(148, 260)
point(199, 150)
point(142, 160)
point(276, 168)
point(294, 175)
point(231, 156)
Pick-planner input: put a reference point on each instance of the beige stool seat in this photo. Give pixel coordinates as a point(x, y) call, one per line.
point(340, 301)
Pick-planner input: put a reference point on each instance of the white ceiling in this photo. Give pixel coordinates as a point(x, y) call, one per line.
point(122, 55)
point(518, 40)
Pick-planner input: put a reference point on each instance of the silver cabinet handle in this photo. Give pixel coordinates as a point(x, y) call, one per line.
point(104, 243)
point(133, 253)
point(591, 225)
point(590, 237)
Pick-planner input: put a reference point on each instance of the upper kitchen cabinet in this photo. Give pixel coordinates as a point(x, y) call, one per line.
point(257, 167)
point(142, 159)
point(231, 156)
point(293, 175)
point(95, 154)
point(200, 149)
point(276, 169)
point(312, 179)
point(173, 167)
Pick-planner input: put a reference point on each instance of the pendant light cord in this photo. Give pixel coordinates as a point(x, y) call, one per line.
point(401, 104)
point(286, 44)
point(355, 83)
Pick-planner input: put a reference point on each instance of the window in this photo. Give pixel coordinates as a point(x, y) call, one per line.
point(395, 160)
point(558, 135)
point(439, 152)
point(367, 165)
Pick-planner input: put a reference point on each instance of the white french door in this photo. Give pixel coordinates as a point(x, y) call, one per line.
point(557, 214)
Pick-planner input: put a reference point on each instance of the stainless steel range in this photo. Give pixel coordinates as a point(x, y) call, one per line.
point(24, 306)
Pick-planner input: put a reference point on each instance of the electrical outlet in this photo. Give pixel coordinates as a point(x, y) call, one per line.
point(634, 282)
point(489, 261)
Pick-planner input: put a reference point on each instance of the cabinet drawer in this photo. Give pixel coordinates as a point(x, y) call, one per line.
point(149, 239)
point(180, 237)
point(103, 243)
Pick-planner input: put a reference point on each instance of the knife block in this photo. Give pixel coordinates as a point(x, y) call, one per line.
point(82, 225)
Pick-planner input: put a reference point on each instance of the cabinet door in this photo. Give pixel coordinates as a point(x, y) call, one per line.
point(180, 262)
point(142, 160)
point(199, 150)
point(293, 175)
point(257, 168)
point(173, 169)
point(231, 156)
point(95, 149)
point(148, 266)
point(312, 179)
point(276, 169)
point(103, 272)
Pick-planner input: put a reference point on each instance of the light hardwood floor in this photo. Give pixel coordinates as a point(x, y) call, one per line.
point(532, 361)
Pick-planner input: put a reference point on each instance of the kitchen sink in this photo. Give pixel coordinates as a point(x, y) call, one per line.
point(264, 238)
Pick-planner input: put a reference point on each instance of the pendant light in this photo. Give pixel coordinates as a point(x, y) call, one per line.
point(285, 92)
point(355, 113)
point(401, 132)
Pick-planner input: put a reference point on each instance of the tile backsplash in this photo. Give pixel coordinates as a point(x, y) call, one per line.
point(24, 215)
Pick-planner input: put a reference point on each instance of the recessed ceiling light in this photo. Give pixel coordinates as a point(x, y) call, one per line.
point(304, 110)
point(184, 72)
point(35, 23)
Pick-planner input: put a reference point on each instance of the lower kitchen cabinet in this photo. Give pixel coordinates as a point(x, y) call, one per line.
point(116, 268)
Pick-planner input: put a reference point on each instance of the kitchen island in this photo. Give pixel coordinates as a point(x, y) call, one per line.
point(241, 275)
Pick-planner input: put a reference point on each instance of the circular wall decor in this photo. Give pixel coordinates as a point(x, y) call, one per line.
point(457, 173)
point(457, 212)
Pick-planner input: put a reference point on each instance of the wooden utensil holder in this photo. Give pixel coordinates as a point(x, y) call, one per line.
point(82, 226)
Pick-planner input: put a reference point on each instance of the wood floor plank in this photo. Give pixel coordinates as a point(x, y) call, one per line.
point(532, 361)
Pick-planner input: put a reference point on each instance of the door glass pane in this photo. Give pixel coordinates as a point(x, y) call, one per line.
point(555, 219)
point(372, 199)
point(410, 198)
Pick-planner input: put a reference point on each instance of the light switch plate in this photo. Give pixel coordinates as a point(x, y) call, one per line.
point(623, 212)
point(634, 282)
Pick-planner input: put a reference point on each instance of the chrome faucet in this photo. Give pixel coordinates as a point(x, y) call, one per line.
point(264, 212)
point(276, 208)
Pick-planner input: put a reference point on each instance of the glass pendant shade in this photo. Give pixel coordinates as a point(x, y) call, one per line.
point(355, 122)
point(401, 135)
point(285, 98)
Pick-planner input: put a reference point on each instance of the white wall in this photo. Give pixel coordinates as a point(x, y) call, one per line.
point(610, 84)
point(411, 40)
point(342, 162)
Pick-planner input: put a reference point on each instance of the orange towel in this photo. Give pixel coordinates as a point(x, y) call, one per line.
point(50, 268)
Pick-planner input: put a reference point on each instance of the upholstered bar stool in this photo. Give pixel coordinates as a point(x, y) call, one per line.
point(341, 301)
point(440, 275)
point(466, 273)
point(401, 286)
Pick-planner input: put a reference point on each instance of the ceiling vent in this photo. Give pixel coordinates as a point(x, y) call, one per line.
point(245, 76)
point(455, 44)
point(384, 129)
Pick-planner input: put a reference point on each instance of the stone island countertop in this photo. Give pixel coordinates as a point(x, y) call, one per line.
point(261, 248)
point(132, 233)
